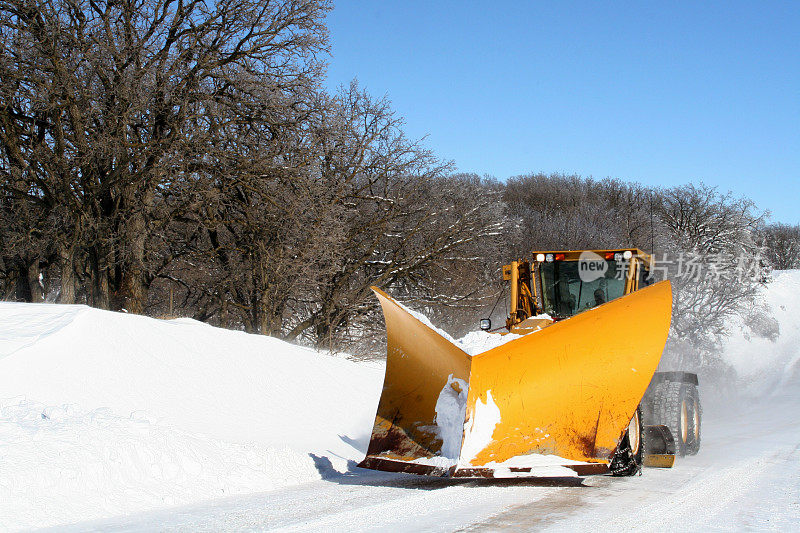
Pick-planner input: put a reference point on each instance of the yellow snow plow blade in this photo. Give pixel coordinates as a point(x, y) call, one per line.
point(558, 397)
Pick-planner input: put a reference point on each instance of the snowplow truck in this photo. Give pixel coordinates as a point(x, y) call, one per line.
point(570, 388)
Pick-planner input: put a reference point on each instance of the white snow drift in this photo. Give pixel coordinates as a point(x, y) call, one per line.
point(104, 413)
point(764, 363)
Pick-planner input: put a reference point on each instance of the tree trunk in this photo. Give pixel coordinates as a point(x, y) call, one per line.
point(98, 270)
point(22, 292)
point(271, 322)
point(35, 283)
point(133, 290)
point(68, 281)
point(133, 293)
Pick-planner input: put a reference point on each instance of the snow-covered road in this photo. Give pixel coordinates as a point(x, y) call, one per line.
point(745, 477)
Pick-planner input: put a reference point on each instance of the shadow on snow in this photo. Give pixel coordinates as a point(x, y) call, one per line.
point(365, 477)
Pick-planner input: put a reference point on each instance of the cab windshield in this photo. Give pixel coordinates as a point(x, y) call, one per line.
point(566, 293)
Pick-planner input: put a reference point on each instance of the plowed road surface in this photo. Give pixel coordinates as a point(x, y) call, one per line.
point(746, 476)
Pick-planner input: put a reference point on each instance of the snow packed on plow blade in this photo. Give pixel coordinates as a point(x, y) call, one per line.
point(554, 402)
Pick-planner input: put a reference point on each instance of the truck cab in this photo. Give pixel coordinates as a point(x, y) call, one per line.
point(563, 283)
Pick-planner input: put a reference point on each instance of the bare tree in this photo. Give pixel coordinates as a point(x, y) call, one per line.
point(782, 245)
point(104, 105)
point(558, 211)
point(25, 249)
point(269, 228)
point(399, 214)
point(710, 249)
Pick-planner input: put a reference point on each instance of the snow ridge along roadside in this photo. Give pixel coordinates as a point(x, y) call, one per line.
point(105, 414)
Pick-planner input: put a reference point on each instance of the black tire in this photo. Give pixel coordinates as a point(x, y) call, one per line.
point(695, 423)
point(672, 407)
point(627, 460)
point(648, 417)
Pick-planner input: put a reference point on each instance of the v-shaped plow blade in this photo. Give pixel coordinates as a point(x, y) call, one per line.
point(553, 402)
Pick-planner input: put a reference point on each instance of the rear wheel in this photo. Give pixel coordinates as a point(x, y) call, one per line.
point(627, 461)
point(673, 406)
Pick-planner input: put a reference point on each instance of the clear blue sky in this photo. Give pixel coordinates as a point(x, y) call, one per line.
point(661, 93)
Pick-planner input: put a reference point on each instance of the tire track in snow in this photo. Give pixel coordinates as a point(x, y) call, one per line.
point(746, 475)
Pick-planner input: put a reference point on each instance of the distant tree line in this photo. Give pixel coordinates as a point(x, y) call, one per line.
point(181, 157)
point(782, 246)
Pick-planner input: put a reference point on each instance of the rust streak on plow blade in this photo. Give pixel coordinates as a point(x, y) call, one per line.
point(560, 397)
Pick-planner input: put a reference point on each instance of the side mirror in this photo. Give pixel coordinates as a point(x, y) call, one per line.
point(486, 324)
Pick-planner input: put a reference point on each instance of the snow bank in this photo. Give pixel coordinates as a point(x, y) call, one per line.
point(106, 413)
point(61, 464)
point(764, 358)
